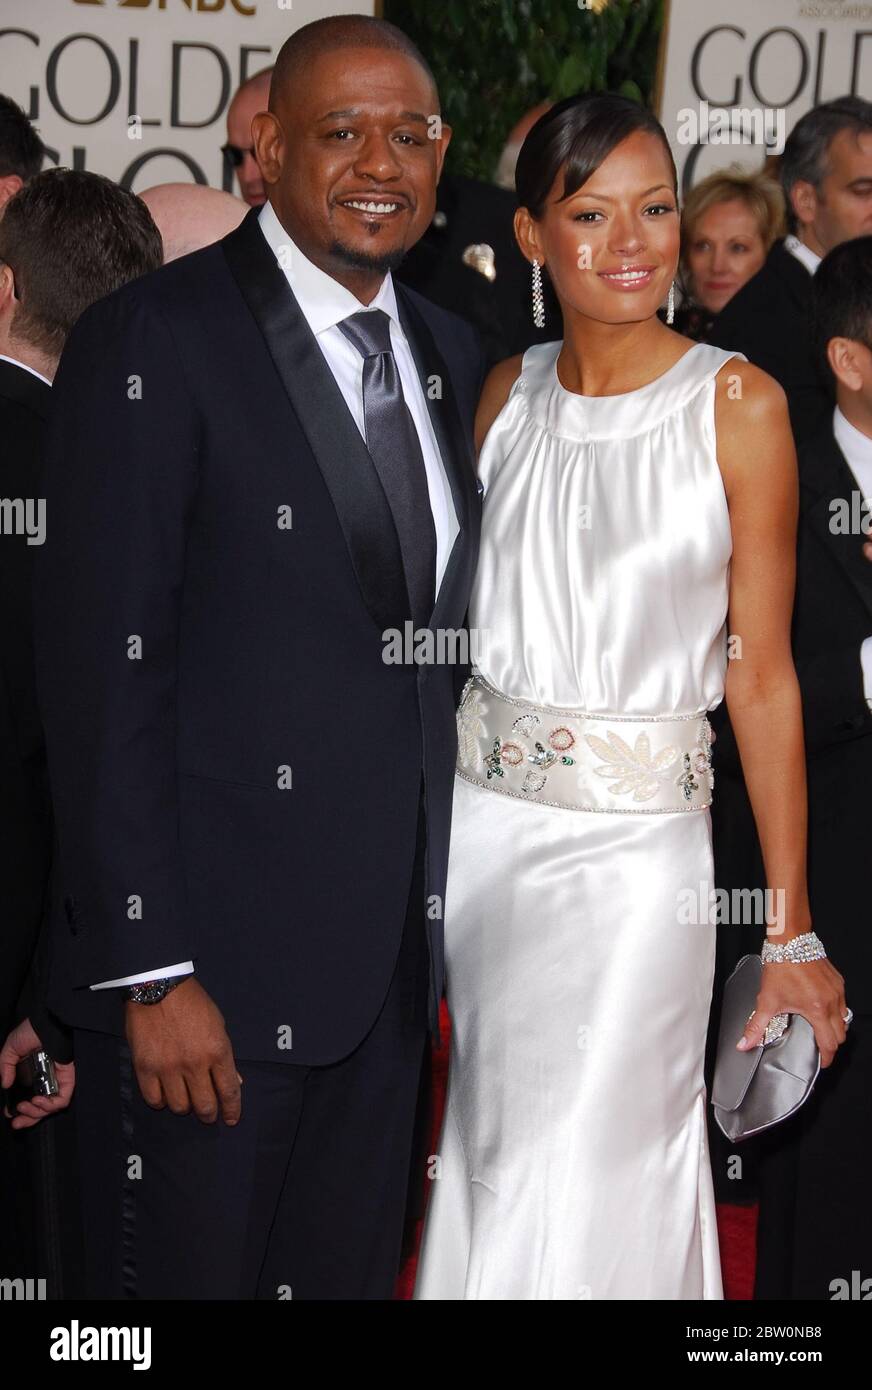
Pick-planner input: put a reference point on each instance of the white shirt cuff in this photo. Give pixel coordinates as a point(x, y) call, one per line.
point(163, 972)
point(866, 663)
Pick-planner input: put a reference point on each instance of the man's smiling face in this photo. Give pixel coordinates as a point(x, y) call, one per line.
point(350, 160)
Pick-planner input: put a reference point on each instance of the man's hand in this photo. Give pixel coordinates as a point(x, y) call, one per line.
point(182, 1055)
point(21, 1041)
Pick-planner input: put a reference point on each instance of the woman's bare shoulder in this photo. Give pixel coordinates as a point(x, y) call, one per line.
point(755, 446)
point(494, 394)
point(761, 399)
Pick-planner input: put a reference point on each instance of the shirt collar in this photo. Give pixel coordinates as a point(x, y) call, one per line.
point(856, 446)
point(323, 301)
point(24, 367)
point(804, 254)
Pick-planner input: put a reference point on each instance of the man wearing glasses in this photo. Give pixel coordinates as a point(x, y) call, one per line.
point(238, 153)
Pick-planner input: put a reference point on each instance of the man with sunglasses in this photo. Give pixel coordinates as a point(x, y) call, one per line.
point(238, 153)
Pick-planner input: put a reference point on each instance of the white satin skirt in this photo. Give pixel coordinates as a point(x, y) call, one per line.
point(573, 1159)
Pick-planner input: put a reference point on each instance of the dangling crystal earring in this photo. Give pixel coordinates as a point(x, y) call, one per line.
point(538, 301)
point(670, 304)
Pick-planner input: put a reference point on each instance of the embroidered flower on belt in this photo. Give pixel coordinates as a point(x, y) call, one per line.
point(513, 754)
point(637, 771)
point(634, 768)
point(561, 739)
point(470, 722)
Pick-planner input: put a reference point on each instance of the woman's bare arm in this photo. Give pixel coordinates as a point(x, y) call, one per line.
point(758, 463)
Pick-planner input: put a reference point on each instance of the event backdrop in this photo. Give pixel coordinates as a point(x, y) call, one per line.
point(752, 59)
point(138, 89)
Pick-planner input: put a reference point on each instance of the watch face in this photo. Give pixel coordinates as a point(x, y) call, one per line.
point(151, 992)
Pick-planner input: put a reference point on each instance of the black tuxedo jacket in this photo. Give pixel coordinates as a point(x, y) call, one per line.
point(769, 320)
point(235, 767)
point(25, 813)
point(832, 617)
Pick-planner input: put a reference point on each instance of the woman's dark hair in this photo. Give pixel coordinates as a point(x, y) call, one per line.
point(842, 295)
point(576, 135)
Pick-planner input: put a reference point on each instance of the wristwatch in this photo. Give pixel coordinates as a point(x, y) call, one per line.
point(153, 991)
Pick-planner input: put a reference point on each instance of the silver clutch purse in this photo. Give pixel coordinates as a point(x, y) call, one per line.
point(753, 1090)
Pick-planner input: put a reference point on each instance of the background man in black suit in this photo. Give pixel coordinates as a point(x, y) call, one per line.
point(815, 1216)
point(468, 261)
point(245, 788)
point(826, 174)
point(98, 236)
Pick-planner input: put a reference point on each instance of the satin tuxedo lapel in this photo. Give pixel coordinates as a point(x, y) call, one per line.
point(335, 441)
point(454, 449)
point(825, 476)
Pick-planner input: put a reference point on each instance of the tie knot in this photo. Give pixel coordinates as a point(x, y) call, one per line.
point(369, 331)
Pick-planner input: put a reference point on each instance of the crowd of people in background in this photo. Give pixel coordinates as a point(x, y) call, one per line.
point(776, 264)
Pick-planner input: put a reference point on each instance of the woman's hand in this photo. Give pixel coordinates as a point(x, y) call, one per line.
point(814, 989)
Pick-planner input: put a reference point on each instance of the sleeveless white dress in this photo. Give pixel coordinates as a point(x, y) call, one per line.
point(573, 1159)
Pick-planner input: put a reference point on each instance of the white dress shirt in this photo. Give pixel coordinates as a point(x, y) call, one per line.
point(857, 448)
point(324, 304)
point(804, 254)
point(24, 367)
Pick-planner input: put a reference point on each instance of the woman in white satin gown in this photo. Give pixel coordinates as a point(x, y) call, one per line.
point(573, 1156)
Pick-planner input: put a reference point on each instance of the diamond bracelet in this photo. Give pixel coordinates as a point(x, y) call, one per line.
point(801, 949)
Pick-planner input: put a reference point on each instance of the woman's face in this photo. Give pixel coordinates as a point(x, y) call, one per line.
point(725, 249)
point(611, 249)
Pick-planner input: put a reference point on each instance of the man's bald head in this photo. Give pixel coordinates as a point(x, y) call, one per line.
point(247, 100)
point(190, 216)
point(307, 45)
point(257, 85)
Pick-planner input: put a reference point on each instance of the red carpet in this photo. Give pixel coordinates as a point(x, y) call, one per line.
point(737, 1226)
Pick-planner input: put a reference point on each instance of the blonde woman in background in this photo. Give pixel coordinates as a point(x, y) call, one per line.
point(730, 221)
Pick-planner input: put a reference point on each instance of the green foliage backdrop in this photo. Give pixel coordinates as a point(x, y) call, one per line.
point(495, 59)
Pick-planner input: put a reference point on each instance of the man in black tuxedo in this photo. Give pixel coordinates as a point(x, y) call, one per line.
point(102, 236)
point(815, 1224)
point(826, 174)
point(25, 379)
point(253, 796)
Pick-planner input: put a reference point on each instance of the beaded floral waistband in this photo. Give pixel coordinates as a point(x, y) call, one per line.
point(581, 761)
